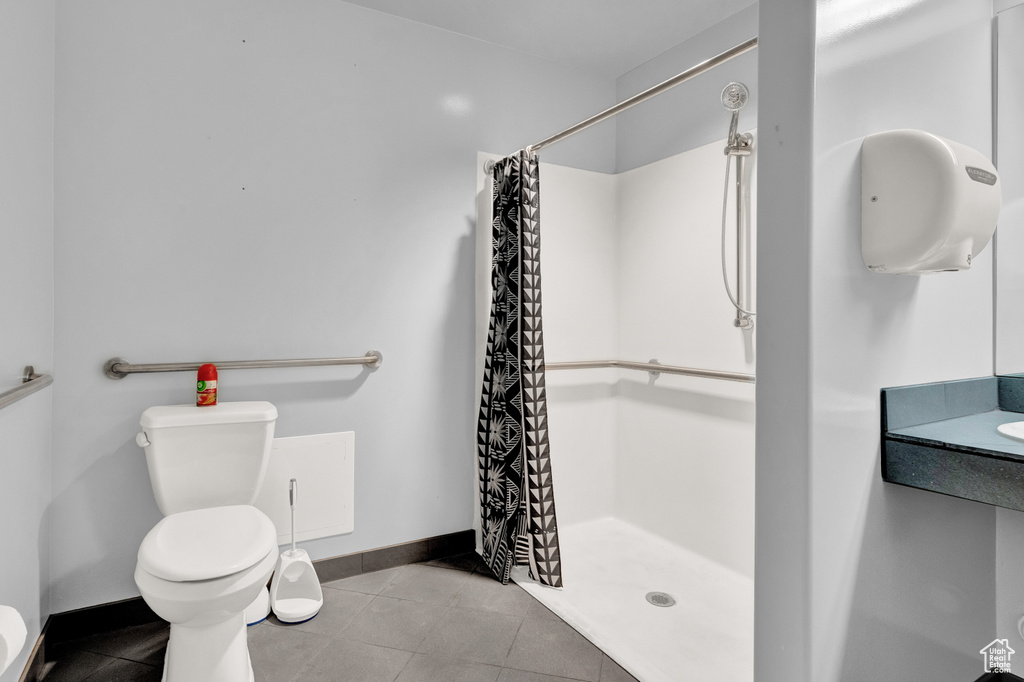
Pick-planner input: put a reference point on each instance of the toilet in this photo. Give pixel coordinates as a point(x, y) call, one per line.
point(213, 552)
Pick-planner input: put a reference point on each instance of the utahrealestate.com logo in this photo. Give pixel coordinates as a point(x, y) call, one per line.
point(997, 656)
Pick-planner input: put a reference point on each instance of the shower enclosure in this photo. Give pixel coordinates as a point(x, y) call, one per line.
point(653, 472)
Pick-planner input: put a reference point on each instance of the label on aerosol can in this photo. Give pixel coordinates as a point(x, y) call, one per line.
point(206, 385)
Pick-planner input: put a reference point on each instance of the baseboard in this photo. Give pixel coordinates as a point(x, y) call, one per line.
point(35, 667)
point(438, 547)
point(91, 620)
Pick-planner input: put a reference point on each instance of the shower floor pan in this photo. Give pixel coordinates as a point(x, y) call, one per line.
point(608, 568)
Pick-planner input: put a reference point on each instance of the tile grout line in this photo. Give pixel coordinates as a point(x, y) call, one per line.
point(510, 646)
point(407, 663)
point(448, 606)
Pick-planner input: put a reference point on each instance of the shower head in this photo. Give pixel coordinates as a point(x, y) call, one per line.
point(734, 96)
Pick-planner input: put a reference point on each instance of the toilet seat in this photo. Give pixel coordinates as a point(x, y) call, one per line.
point(205, 544)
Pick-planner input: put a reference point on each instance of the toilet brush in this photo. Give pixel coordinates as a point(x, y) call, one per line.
point(293, 489)
point(295, 593)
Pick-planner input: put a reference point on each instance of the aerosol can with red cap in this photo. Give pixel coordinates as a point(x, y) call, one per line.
point(206, 385)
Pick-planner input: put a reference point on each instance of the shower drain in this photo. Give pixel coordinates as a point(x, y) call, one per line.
point(661, 599)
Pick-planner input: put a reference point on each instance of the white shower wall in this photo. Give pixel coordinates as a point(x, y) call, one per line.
point(579, 272)
point(631, 267)
point(686, 445)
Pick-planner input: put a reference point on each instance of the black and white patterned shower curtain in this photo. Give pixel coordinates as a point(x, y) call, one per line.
point(516, 493)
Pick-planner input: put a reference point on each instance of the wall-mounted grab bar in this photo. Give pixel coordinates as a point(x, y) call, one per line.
point(654, 368)
point(118, 368)
point(30, 383)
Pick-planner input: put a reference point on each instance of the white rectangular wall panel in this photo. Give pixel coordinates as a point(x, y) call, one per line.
point(324, 468)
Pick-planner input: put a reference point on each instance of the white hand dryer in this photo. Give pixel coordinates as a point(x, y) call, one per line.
point(928, 204)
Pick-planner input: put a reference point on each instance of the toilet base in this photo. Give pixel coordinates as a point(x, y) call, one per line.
point(208, 652)
point(257, 612)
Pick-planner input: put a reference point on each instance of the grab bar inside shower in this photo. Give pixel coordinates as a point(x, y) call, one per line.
point(119, 368)
point(654, 368)
point(30, 383)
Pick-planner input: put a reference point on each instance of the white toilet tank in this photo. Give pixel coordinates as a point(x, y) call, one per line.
point(210, 456)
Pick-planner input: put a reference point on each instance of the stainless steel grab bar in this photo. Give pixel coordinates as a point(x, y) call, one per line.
point(30, 383)
point(654, 368)
point(118, 368)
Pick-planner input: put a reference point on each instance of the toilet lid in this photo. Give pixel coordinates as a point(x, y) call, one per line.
point(207, 543)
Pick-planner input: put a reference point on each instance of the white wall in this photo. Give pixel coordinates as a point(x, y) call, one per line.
point(1009, 292)
point(26, 307)
point(1009, 238)
point(683, 448)
point(874, 544)
point(579, 211)
point(632, 270)
point(684, 439)
point(686, 445)
point(261, 180)
point(1009, 581)
point(880, 582)
point(785, 73)
point(163, 115)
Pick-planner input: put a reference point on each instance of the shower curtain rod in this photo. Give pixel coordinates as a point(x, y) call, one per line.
point(692, 72)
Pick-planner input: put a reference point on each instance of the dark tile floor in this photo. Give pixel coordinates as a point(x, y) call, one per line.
point(439, 621)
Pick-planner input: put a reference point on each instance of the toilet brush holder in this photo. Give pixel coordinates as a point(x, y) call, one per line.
point(295, 592)
point(257, 612)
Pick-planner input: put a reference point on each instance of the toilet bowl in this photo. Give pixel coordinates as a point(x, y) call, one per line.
point(199, 570)
point(213, 552)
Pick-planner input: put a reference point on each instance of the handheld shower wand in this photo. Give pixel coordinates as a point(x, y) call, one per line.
point(734, 98)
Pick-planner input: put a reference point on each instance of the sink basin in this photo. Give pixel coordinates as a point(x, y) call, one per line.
point(1014, 430)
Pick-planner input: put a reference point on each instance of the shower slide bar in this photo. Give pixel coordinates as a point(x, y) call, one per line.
point(654, 368)
point(692, 72)
point(118, 368)
point(30, 383)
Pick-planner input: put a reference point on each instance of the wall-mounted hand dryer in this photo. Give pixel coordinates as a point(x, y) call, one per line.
point(928, 204)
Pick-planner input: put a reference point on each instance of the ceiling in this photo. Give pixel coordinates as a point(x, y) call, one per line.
point(604, 37)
